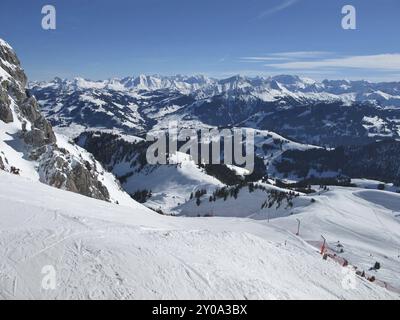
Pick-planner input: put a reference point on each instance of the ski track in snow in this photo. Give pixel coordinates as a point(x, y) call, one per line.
point(105, 251)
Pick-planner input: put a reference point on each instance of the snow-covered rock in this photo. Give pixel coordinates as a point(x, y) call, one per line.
point(29, 147)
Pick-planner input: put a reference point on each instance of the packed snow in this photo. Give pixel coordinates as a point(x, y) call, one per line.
point(365, 222)
point(100, 250)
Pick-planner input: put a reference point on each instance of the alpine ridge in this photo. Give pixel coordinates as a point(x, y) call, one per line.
point(330, 113)
point(29, 147)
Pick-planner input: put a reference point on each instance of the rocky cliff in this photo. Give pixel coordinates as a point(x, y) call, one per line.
point(28, 144)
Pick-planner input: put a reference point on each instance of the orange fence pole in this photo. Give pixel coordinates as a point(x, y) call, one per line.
point(323, 245)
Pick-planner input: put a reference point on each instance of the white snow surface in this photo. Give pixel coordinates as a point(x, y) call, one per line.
point(101, 250)
point(171, 185)
point(365, 222)
point(374, 184)
point(4, 74)
point(247, 205)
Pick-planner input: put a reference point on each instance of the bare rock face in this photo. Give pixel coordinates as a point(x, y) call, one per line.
point(14, 86)
point(85, 184)
point(35, 138)
point(11, 64)
point(30, 109)
point(1, 164)
point(13, 80)
point(3, 161)
point(56, 166)
point(57, 169)
point(5, 111)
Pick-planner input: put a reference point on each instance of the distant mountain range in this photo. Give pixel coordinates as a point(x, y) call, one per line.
point(329, 113)
point(267, 89)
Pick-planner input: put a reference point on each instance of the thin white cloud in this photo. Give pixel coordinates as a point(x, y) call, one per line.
point(286, 4)
point(301, 54)
point(387, 62)
point(261, 59)
point(292, 55)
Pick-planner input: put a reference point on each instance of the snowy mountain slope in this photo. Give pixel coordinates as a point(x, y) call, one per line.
point(366, 222)
point(85, 104)
point(270, 146)
point(30, 148)
point(12, 151)
point(100, 250)
point(17, 154)
point(171, 185)
point(267, 202)
point(108, 180)
point(377, 161)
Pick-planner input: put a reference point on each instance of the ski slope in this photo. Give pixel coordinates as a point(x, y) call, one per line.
point(101, 250)
point(365, 222)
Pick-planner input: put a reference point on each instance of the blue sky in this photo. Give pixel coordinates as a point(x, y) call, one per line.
point(100, 39)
